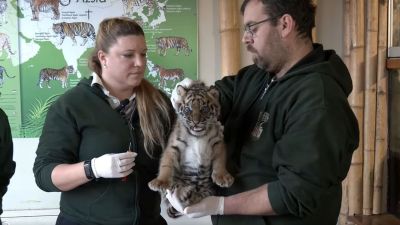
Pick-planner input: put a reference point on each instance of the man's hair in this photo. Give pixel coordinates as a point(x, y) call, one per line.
point(302, 11)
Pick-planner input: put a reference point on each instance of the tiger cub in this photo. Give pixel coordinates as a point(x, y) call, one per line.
point(195, 155)
point(71, 30)
point(47, 74)
point(164, 43)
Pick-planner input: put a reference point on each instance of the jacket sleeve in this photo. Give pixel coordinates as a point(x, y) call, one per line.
point(7, 165)
point(225, 88)
point(313, 155)
point(58, 144)
point(231, 87)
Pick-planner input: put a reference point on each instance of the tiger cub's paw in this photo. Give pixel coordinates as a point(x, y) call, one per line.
point(173, 213)
point(222, 179)
point(159, 185)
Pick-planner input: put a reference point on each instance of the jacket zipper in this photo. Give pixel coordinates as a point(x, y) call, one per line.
point(267, 87)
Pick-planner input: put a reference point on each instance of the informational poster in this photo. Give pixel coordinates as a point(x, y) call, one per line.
point(45, 45)
point(10, 89)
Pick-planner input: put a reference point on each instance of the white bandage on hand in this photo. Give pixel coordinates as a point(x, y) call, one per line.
point(211, 205)
point(113, 165)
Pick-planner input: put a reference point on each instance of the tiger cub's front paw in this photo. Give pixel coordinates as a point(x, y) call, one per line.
point(222, 179)
point(159, 185)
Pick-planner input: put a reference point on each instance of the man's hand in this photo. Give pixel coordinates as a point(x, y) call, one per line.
point(211, 205)
point(114, 165)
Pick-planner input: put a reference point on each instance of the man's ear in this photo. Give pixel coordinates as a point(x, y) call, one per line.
point(287, 25)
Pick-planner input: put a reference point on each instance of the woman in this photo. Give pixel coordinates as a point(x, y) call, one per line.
point(102, 139)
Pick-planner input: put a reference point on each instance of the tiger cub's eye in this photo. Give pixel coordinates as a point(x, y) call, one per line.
point(187, 110)
point(205, 109)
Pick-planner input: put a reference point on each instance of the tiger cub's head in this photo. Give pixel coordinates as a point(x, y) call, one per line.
point(197, 106)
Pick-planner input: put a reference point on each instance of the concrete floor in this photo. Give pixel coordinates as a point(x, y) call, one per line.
point(49, 216)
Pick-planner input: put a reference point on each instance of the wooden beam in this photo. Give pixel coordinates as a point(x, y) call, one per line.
point(384, 219)
point(230, 36)
point(393, 63)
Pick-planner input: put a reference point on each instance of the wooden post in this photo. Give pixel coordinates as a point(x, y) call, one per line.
point(371, 55)
point(230, 36)
point(381, 143)
point(344, 210)
point(356, 100)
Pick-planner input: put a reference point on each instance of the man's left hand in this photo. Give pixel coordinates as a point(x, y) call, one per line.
point(211, 205)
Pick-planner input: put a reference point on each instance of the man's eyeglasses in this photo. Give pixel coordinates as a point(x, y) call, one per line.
point(248, 30)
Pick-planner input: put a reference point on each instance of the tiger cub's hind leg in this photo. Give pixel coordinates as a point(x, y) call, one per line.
point(186, 196)
point(163, 181)
point(172, 212)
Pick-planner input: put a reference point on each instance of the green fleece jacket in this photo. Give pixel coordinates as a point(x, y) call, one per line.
point(7, 165)
point(296, 133)
point(79, 126)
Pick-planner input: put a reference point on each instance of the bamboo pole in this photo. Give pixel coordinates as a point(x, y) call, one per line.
point(346, 33)
point(344, 210)
point(356, 100)
point(371, 53)
point(381, 143)
point(230, 37)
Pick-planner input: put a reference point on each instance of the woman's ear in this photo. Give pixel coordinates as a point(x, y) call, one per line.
point(102, 57)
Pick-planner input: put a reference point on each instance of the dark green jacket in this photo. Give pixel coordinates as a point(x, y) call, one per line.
point(298, 136)
point(79, 126)
point(7, 165)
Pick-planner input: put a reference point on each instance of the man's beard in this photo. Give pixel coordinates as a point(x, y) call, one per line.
point(260, 62)
point(257, 59)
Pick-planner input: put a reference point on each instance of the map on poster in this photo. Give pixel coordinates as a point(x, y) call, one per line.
point(44, 47)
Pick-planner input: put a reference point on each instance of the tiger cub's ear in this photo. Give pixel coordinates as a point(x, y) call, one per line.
point(181, 90)
point(213, 92)
point(177, 100)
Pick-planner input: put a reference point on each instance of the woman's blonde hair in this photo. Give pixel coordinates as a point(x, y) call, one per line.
point(155, 111)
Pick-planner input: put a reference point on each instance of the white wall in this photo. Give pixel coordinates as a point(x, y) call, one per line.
point(329, 23)
point(23, 192)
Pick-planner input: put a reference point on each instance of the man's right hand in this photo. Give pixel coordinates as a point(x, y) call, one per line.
point(114, 165)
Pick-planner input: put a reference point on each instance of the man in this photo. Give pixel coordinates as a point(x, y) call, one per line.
point(289, 129)
point(7, 165)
